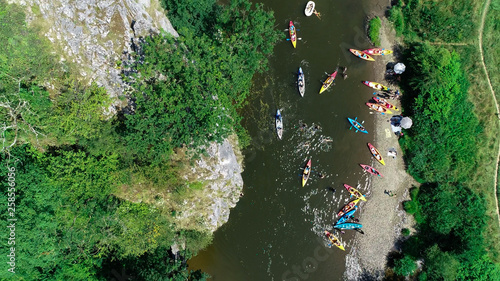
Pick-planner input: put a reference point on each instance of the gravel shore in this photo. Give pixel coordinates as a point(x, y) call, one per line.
point(382, 215)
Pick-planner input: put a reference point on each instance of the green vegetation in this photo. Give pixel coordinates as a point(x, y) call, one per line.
point(374, 30)
point(79, 169)
point(451, 148)
point(451, 21)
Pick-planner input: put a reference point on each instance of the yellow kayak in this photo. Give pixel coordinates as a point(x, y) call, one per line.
point(328, 82)
point(354, 192)
point(306, 173)
point(335, 241)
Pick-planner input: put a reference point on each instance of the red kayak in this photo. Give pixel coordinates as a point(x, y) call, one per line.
point(371, 170)
point(377, 52)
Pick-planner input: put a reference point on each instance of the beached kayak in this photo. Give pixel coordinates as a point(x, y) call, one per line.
point(348, 207)
point(347, 215)
point(371, 170)
point(348, 225)
point(377, 52)
point(279, 124)
point(354, 192)
point(378, 107)
point(383, 102)
point(301, 82)
point(376, 154)
point(307, 172)
point(375, 85)
point(334, 240)
point(361, 55)
point(328, 81)
point(357, 125)
point(309, 8)
point(293, 34)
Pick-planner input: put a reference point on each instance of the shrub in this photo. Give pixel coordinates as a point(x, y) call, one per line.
point(396, 17)
point(374, 30)
point(405, 231)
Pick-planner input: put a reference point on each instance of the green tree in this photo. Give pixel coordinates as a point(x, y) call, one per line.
point(26, 62)
point(441, 265)
point(405, 266)
point(188, 89)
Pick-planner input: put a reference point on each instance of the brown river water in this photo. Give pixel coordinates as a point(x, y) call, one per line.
point(276, 230)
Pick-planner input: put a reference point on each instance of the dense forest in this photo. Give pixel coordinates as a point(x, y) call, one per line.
point(64, 158)
point(453, 238)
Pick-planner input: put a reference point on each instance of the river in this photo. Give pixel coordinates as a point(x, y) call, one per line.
point(276, 230)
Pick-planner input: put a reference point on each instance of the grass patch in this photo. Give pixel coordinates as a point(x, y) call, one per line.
point(374, 30)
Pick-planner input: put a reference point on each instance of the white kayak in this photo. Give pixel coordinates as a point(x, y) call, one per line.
point(309, 8)
point(301, 82)
point(279, 124)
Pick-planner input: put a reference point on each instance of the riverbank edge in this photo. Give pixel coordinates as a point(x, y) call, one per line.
point(383, 216)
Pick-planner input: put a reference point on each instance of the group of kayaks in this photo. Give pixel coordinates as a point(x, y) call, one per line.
point(379, 104)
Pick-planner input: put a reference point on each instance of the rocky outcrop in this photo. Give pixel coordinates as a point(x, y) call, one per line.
point(220, 172)
point(96, 35)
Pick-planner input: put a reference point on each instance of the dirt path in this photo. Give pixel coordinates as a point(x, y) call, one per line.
point(480, 42)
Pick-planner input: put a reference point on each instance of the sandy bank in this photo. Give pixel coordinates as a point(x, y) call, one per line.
point(382, 216)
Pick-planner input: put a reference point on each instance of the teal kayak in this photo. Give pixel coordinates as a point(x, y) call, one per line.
point(348, 225)
point(346, 216)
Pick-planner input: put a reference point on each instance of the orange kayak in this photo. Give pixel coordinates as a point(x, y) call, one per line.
point(348, 207)
point(361, 55)
point(378, 107)
point(383, 102)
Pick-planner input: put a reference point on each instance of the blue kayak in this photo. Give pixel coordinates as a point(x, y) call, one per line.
point(346, 216)
point(357, 125)
point(348, 225)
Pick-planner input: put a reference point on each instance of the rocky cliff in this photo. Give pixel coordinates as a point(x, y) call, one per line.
point(95, 36)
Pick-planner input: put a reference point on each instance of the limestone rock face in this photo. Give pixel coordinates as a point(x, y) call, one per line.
point(97, 34)
point(220, 172)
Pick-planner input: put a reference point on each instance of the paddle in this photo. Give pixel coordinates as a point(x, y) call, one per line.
point(288, 39)
point(286, 29)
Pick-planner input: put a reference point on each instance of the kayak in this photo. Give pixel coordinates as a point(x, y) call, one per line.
point(348, 207)
point(371, 170)
point(376, 154)
point(335, 241)
point(357, 125)
point(279, 124)
point(354, 192)
point(293, 34)
point(375, 85)
point(301, 82)
point(377, 52)
point(379, 108)
point(348, 225)
point(307, 172)
point(361, 55)
point(309, 8)
point(385, 103)
point(328, 82)
point(345, 217)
